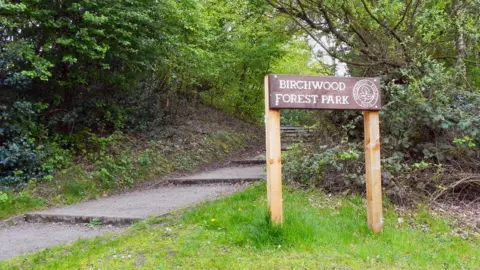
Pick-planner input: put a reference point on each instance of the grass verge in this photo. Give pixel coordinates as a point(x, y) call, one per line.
point(319, 232)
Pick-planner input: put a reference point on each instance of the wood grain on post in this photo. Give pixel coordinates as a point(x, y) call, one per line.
point(274, 160)
point(267, 148)
point(373, 170)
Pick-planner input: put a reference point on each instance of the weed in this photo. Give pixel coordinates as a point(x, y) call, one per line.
point(94, 222)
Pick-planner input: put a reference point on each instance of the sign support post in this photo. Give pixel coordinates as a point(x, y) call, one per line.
point(274, 160)
point(373, 170)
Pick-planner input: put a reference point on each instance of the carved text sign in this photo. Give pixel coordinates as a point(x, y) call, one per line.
point(330, 93)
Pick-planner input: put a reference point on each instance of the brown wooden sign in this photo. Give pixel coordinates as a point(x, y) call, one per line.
point(334, 93)
point(331, 93)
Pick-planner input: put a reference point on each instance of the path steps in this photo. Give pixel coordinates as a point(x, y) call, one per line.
point(230, 175)
point(290, 135)
point(249, 161)
point(41, 229)
point(295, 134)
point(130, 207)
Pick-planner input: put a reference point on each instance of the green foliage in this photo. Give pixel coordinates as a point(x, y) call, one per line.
point(334, 168)
point(466, 142)
point(379, 37)
point(12, 204)
point(91, 68)
point(248, 40)
point(292, 117)
point(76, 43)
point(426, 125)
point(25, 152)
point(426, 55)
point(20, 156)
point(3, 197)
point(298, 58)
point(425, 116)
point(94, 222)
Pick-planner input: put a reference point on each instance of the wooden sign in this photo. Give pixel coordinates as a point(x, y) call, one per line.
point(332, 93)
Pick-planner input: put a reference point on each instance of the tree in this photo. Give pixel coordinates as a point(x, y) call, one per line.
point(74, 48)
point(381, 37)
point(426, 52)
point(248, 40)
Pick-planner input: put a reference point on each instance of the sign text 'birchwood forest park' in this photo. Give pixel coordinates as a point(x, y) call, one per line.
point(310, 92)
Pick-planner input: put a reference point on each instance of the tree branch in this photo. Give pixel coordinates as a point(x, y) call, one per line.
point(386, 27)
point(403, 16)
point(330, 28)
point(363, 40)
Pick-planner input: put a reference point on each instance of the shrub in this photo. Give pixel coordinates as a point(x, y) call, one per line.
point(335, 168)
point(20, 153)
point(25, 152)
point(430, 132)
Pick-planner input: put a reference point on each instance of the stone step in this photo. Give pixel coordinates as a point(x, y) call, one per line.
point(297, 130)
point(130, 207)
point(296, 134)
point(307, 130)
point(229, 175)
point(293, 127)
point(289, 142)
point(251, 161)
point(260, 159)
point(116, 220)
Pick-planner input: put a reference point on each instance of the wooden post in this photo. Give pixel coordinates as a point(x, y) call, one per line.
point(373, 170)
point(267, 145)
point(274, 160)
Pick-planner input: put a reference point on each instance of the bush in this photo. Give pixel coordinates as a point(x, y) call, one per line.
point(20, 154)
point(430, 134)
point(25, 152)
point(426, 115)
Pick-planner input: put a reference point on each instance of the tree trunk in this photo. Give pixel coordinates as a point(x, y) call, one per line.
point(460, 43)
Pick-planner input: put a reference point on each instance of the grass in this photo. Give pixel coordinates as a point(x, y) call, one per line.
point(13, 204)
point(319, 232)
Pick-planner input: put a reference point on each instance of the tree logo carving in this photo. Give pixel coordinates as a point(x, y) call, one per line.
point(365, 93)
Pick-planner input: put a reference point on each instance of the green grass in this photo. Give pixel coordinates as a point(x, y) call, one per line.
point(19, 203)
point(234, 233)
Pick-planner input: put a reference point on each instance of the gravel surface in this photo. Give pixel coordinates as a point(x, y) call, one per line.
point(232, 173)
point(25, 238)
point(144, 204)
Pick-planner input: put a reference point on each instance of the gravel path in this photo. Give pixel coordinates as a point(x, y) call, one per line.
point(141, 204)
point(230, 175)
point(23, 238)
